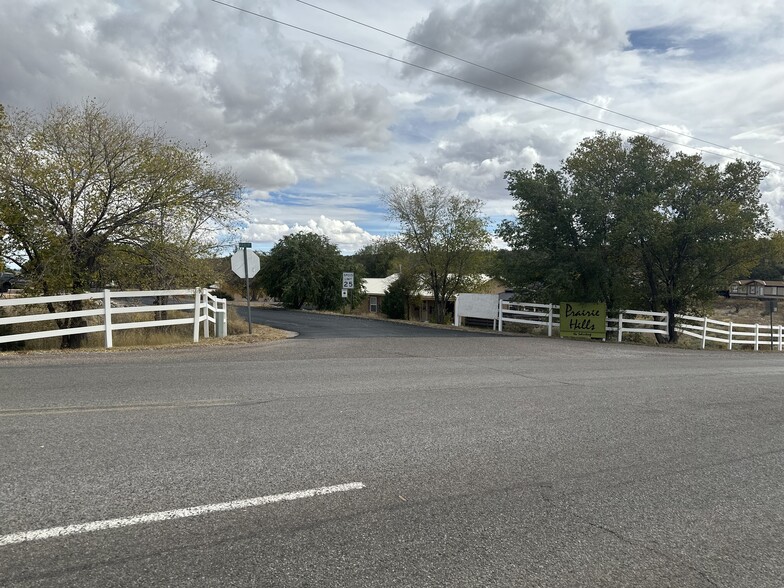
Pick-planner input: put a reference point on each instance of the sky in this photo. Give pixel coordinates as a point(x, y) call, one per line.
point(318, 130)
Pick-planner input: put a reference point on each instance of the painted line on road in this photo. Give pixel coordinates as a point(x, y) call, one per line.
point(168, 515)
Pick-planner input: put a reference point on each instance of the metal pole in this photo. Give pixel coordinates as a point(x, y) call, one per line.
point(247, 287)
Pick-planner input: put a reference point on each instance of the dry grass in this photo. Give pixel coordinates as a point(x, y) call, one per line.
point(152, 337)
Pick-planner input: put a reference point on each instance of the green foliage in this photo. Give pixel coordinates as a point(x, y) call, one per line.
point(445, 233)
point(304, 268)
point(771, 263)
point(88, 198)
point(381, 258)
point(629, 224)
point(396, 299)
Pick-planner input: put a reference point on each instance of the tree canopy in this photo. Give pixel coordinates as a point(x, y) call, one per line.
point(630, 224)
point(88, 198)
point(446, 234)
point(305, 268)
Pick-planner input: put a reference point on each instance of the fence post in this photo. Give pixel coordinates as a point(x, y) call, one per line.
point(206, 302)
point(756, 337)
point(620, 327)
point(196, 309)
point(500, 316)
point(780, 333)
point(221, 320)
point(729, 346)
point(704, 331)
point(550, 320)
point(107, 318)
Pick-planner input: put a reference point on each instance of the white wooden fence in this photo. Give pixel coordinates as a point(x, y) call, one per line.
point(643, 321)
point(206, 310)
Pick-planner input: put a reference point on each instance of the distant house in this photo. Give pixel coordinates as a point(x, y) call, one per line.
point(376, 289)
point(423, 304)
point(757, 289)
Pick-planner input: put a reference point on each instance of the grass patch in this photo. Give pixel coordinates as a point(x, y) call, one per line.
point(163, 336)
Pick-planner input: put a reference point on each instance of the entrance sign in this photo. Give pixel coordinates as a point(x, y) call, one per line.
point(583, 320)
point(348, 280)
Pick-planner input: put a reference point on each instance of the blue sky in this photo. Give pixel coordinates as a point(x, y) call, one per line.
point(317, 131)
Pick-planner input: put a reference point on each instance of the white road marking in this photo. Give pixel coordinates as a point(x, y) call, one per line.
point(168, 515)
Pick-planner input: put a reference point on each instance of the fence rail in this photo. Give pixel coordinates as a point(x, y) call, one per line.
point(206, 310)
point(655, 323)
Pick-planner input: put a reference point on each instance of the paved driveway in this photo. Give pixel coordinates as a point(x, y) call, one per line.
point(311, 325)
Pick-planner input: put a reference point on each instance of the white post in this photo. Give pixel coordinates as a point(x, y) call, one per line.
point(620, 327)
point(222, 320)
point(196, 308)
point(756, 337)
point(206, 302)
point(456, 320)
point(500, 316)
point(704, 331)
point(550, 320)
point(780, 333)
point(107, 318)
point(729, 346)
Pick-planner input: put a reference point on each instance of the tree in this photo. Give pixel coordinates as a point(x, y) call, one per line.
point(87, 197)
point(305, 268)
point(380, 258)
point(771, 263)
point(397, 297)
point(628, 223)
point(446, 233)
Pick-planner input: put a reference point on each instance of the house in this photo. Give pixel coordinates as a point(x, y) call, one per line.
point(757, 289)
point(422, 306)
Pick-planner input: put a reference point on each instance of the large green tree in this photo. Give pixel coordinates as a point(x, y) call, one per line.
point(305, 268)
point(446, 234)
point(88, 197)
point(380, 258)
point(630, 224)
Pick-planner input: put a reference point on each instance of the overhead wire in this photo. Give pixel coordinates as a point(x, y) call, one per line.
point(496, 90)
point(519, 80)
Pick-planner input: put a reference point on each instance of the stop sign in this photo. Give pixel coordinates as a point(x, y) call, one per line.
point(238, 263)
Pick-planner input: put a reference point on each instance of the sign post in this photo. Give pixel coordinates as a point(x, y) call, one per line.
point(348, 284)
point(246, 267)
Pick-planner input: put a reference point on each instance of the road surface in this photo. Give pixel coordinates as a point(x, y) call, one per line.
point(393, 461)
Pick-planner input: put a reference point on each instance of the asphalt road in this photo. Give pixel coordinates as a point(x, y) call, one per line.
point(311, 325)
point(475, 461)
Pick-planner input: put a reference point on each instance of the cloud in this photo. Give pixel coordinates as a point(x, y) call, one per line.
point(537, 40)
point(348, 237)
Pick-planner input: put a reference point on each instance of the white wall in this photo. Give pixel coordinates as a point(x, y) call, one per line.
point(477, 306)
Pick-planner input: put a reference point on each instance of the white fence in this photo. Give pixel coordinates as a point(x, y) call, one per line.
point(642, 321)
point(206, 310)
point(731, 334)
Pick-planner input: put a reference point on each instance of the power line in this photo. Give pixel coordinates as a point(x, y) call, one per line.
point(496, 90)
point(516, 79)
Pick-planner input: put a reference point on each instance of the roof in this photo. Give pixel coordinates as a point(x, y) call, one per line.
point(778, 283)
point(378, 286)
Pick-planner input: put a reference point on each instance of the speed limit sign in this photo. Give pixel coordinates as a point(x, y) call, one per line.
point(348, 280)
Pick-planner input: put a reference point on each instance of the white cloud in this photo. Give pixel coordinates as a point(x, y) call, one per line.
point(316, 130)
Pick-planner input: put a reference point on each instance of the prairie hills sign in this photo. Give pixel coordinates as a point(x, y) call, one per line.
point(583, 320)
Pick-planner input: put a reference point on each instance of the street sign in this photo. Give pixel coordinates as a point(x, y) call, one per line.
point(344, 293)
point(238, 263)
point(348, 280)
point(244, 245)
